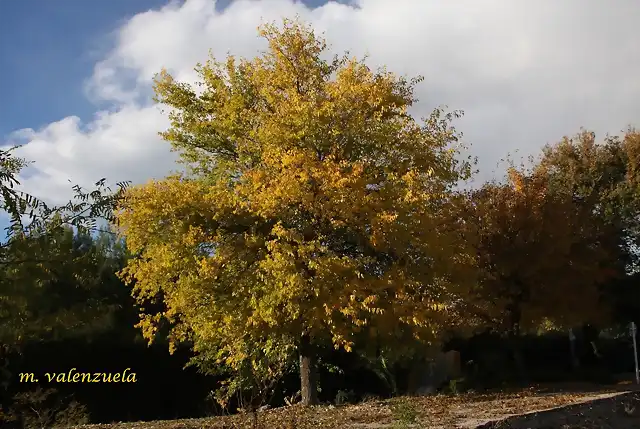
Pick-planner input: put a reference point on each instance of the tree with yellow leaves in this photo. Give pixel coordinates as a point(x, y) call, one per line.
point(315, 208)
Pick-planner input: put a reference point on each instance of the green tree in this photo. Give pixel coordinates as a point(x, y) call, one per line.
point(48, 255)
point(56, 279)
point(58, 283)
point(315, 209)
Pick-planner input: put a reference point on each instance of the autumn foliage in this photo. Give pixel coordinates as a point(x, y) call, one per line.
point(543, 257)
point(315, 211)
point(315, 208)
point(317, 223)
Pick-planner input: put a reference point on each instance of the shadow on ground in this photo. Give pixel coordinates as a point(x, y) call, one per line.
point(618, 411)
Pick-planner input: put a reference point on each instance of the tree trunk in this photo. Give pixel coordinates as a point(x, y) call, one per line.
point(308, 376)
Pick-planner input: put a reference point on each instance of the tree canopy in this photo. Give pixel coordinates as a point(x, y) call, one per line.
point(315, 208)
point(543, 257)
point(603, 179)
point(48, 258)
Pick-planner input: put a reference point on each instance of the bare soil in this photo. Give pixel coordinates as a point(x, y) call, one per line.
point(542, 407)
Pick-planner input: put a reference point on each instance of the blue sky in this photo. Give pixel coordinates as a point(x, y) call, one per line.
point(48, 48)
point(75, 75)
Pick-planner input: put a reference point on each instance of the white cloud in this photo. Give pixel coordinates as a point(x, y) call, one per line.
point(526, 73)
point(121, 145)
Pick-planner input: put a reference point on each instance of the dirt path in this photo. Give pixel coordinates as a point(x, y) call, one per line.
point(525, 409)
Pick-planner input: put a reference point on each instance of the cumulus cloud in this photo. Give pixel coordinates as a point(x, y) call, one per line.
point(120, 145)
point(525, 73)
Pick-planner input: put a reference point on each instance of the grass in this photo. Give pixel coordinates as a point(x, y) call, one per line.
point(404, 413)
